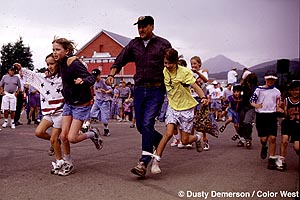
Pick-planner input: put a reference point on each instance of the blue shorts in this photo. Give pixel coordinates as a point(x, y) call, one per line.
point(101, 110)
point(34, 100)
point(81, 113)
point(234, 115)
point(216, 104)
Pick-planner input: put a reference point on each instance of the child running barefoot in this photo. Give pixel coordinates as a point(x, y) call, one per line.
point(234, 107)
point(290, 126)
point(180, 110)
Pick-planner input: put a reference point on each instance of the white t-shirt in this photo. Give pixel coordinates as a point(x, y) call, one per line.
point(232, 76)
point(215, 93)
point(196, 76)
point(268, 97)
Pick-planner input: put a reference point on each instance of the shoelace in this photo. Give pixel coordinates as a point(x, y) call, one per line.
point(146, 153)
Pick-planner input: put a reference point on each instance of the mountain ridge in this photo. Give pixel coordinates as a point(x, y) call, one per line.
point(220, 63)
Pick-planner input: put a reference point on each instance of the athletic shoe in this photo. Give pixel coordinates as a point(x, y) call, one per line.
point(139, 170)
point(240, 143)
point(180, 145)
point(106, 132)
point(97, 140)
point(189, 146)
point(248, 144)
point(272, 164)
point(282, 168)
point(264, 152)
point(12, 125)
point(4, 125)
point(51, 151)
point(175, 142)
point(199, 144)
point(155, 167)
point(66, 169)
point(206, 146)
point(84, 128)
point(57, 166)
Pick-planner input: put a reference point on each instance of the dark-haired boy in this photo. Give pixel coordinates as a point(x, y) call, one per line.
point(234, 103)
point(291, 124)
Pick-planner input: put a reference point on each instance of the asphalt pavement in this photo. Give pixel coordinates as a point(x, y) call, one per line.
point(224, 172)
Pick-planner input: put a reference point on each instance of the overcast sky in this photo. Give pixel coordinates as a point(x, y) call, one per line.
point(246, 31)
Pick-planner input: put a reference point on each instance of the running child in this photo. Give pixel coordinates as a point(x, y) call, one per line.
point(290, 126)
point(181, 106)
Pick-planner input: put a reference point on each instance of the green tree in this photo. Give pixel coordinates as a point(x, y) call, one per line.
point(16, 52)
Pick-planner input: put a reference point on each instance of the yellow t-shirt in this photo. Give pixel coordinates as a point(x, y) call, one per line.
point(177, 85)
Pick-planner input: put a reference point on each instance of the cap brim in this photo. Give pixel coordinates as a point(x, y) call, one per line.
point(270, 77)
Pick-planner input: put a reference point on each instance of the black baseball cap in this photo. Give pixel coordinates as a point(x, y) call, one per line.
point(145, 20)
point(12, 68)
point(96, 72)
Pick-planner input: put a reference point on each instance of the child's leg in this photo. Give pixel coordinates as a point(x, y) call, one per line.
point(263, 141)
point(187, 138)
point(236, 127)
point(167, 136)
point(296, 147)
point(40, 131)
point(272, 145)
point(73, 135)
point(55, 143)
point(283, 145)
point(228, 121)
point(65, 127)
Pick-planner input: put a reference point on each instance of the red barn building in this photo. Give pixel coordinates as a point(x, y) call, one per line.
point(101, 51)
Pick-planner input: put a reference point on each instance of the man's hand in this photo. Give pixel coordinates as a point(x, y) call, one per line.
point(109, 80)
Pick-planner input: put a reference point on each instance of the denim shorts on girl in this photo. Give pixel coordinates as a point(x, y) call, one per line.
point(77, 112)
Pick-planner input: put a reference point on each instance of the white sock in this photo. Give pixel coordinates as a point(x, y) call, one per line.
point(67, 157)
point(90, 134)
point(198, 137)
point(273, 157)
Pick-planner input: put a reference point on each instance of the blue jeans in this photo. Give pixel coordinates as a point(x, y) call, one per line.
point(147, 104)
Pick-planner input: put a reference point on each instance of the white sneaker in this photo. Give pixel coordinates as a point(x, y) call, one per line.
point(174, 143)
point(4, 125)
point(66, 169)
point(57, 166)
point(206, 146)
point(12, 125)
point(189, 146)
point(155, 167)
point(180, 145)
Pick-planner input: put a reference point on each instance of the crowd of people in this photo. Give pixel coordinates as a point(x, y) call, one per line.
point(69, 99)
